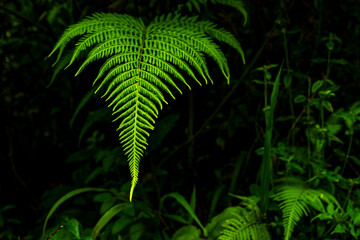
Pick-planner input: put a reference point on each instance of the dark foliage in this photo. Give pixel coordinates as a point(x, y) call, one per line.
point(207, 143)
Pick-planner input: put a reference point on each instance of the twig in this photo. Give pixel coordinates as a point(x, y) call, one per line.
point(51, 235)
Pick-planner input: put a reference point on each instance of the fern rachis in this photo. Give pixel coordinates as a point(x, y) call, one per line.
point(142, 65)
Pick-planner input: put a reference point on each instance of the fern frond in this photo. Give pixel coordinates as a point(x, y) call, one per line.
point(246, 225)
point(295, 202)
point(141, 66)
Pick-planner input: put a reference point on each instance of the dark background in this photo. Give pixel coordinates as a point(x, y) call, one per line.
point(49, 148)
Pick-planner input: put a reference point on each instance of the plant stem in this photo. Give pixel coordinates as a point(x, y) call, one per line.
point(308, 124)
point(290, 89)
point(347, 153)
point(265, 93)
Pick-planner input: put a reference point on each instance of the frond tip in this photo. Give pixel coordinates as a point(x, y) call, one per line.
point(142, 64)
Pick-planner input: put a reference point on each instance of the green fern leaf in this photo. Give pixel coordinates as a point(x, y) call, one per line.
point(141, 66)
point(246, 225)
point(295, 202)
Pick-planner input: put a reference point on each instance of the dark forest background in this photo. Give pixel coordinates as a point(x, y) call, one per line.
point(58, 137)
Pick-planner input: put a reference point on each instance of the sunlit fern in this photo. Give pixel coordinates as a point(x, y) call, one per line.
point(295, 202)
point(142, 64)
point(246, 225)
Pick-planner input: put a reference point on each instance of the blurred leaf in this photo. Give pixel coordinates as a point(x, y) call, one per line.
point(107, 217)
point(60, 66)
point(107, 201)
point(177, 218)
point(328, 106)
point(72, 225)
point(215, 199)
point(238, 4)
point(300, 98)
point(186, 205)
point(66, 197)
point(163, 127)
point(136, 231)
point(340, 228)
point(94, 173)
point(123, 221)
point(339, 61)
point(94, 116)
point(216, 224)
point(316, 86)
point(287, 80)
point(319, 60)
point(187, 233)
point(80, 106)
point(193, 202)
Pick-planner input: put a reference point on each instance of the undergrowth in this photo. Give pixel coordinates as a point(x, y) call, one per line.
point(269, 153)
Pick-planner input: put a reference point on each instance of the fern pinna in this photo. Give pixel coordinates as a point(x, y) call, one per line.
point(141, 65)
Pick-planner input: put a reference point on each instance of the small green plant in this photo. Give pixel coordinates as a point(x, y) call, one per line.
point(295, 201)
point(6, 230)
point(246, 224)
point(142, 63)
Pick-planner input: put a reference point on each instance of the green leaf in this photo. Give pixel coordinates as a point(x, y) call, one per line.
point(80, 106)
point(176, 218)
point(300, 98)
point(187, 233)
point(288, 80)
point(72, 226)
point(215, 226)
point(319, 60)
point(339, 61)
point(136, 231)
point(107, 217)
point(66, 197)
point(340, 228)
point(192, 202)
point(107, 201)
point(123, 221)
point(258, 82)
point(317, 85)
point(215, 199)
point(238, 4)
point(93, 117)
point(267, 75)
point(328, 106)
point(186, 205)
point(266, 166)
point(246, 224)
point(295, 202)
